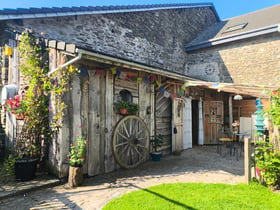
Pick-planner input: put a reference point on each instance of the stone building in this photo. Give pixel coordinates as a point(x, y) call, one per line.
point(169, 59)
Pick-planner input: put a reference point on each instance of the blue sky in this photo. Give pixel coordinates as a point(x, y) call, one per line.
point(225, 8)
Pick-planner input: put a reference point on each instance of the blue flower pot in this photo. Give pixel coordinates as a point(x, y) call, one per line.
point(156, 156)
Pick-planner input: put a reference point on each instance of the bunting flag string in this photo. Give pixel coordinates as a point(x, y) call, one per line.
point(152, 79)
point(146, 80)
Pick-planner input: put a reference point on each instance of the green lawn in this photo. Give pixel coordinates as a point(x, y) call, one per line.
point(198, 196)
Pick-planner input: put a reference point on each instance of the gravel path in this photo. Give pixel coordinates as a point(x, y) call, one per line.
point(200, 164)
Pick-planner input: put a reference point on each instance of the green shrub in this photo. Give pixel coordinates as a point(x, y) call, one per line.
point(268, 162)
point(7, 169)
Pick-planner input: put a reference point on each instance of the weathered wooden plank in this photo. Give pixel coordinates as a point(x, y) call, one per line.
point(84, 111)
point(102, 120)
point(110, 163)
point(94, 159)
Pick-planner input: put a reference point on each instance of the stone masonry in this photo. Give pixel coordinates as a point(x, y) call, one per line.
point(252, 61)
point(155, 38)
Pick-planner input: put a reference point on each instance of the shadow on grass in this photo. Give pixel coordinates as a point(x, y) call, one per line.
point(167, 199)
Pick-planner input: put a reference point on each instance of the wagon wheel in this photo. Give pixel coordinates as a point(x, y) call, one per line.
point(130, 141)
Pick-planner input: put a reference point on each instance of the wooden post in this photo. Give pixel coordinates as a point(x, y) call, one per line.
point(247, 157)
point(230, 112)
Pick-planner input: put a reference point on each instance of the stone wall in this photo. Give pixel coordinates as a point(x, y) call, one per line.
point(252, 61)
point(156, 38)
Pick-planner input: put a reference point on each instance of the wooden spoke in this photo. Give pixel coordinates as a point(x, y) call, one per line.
point(130, 141)
point(121, 144)
point(126, 138)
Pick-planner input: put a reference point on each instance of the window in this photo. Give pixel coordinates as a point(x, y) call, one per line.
point(126, 95)
point(235, 27)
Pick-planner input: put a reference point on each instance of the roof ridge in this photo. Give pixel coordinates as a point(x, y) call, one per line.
point(115, 6)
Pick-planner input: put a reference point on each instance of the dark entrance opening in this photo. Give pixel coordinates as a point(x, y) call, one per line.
point(195, 122)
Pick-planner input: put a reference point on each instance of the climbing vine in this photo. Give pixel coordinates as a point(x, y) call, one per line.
point(34, 68)
point(60, 81)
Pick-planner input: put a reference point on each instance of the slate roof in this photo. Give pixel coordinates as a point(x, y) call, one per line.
point(7, 14)
point(245, 26)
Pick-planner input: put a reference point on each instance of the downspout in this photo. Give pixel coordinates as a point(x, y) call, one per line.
point(67, 63)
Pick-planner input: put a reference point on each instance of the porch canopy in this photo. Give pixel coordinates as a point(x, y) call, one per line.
point(249, 90)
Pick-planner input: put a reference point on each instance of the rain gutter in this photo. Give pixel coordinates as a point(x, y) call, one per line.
point(66, 64)
point(234, 37)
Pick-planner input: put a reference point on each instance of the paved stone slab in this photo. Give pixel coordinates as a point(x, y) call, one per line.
point(200, 164)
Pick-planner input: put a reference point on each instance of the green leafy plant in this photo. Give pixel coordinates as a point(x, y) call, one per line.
point(156, 142)
point(274, 109)
point(77, 152)
point(268, 162)
point(7, 169)
point(34, 68)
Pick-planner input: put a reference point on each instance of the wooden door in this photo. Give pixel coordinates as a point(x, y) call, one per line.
point(178, 130)
point(213, 121)
point(163, 118)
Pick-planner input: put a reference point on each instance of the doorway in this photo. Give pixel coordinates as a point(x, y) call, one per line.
point(195, 122)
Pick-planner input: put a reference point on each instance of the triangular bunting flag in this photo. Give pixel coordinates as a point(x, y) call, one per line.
point(166, 94)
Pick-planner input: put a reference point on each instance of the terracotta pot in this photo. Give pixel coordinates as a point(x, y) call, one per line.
point(75, 177)
point(20, 116)
point(123, 111)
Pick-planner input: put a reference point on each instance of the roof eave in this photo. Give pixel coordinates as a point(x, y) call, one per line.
point(109, 11)
point(234, 37)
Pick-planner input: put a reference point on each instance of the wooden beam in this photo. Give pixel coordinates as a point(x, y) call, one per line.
point(52, 44)
point(61, 45)
point(230, 111)
point(71, 48)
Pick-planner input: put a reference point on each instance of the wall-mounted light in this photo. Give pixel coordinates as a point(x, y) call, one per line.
point(237, 97)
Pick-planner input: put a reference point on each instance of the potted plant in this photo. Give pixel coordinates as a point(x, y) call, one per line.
point(126, 107)
point(76, 158)
point(27, 155)
point(122, 107)
point(156, 142)
point(32, 142)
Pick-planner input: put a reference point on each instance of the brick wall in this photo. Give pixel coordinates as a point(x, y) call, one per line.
point(251, 61)
point(155, 38)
